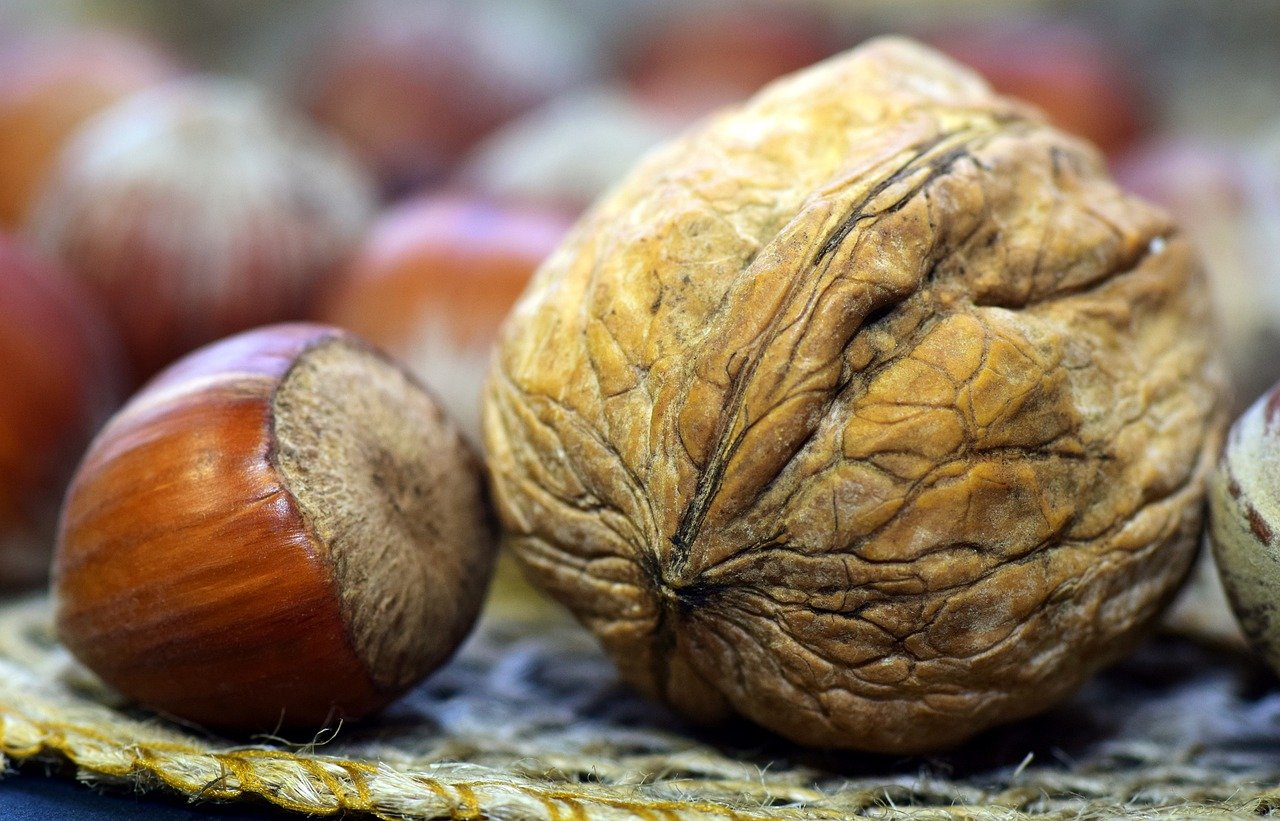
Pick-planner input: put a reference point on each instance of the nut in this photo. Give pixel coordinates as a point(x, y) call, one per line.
point(871, 411)
point(281, 529)
point(696, 58)
point(432, 282)
point(61, 379)
point(411, 86)
point(197, 209)
point(1075, 75)
point(1244, 520)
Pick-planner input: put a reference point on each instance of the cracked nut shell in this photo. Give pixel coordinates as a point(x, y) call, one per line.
point(872, 411)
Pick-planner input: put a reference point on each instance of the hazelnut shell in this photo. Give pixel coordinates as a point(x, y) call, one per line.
point(282, 529)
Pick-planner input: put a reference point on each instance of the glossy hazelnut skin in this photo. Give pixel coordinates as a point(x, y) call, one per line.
point(61, 379)
point(433, 281)
point(211, 565)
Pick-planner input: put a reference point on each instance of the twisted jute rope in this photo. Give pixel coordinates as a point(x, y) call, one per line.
point(528, 722)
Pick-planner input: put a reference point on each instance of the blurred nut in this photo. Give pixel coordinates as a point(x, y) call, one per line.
point(412, 84)
point(703, 57)
point(61, 367)
point(434, 280)
point(1083, 85)
point(200, 208)
point(49, 87)
point(569, 151)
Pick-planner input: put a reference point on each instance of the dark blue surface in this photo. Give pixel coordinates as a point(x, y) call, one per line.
point(34, 793)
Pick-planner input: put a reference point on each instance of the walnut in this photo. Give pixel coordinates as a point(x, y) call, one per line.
point(872, 411)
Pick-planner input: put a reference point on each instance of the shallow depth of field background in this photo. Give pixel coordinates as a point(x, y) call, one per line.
point(487, 126)
point(1197, 85)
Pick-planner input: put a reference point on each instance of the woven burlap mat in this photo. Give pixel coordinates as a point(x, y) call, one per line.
point(529, 722)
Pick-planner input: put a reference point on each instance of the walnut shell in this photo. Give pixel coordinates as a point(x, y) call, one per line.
point(872, 411)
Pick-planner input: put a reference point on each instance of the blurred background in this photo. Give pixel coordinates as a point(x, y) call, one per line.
point(171, 173)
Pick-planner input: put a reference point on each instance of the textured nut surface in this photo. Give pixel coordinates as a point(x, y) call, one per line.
point(872, 411)
point(1244, 519)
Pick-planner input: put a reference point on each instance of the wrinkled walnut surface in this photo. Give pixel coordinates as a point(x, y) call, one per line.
point(871, 411)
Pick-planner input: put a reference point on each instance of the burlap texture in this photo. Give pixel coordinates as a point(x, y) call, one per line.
point(529, 722)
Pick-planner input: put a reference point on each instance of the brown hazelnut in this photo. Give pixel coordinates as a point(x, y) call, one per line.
point(61, 377)
point(571, 150)
point(701, 57)
point(200, 208)
point(281, 529)
point(871, 410)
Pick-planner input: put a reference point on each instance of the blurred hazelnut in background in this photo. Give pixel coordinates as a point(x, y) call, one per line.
point(412, 85)
point(61, 378)
point(699, 57)
point(434, 280)
point(49, 86)
point(568, 152)
point(200, 208)
point(1082, 83)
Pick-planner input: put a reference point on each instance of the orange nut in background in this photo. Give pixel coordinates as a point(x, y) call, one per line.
point(282, 529)
point(433, 282)
point(701, 58)
point(61, 378)
point(1082, 85)
point(49, 87)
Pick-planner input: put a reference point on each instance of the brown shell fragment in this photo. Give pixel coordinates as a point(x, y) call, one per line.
point(872, 411)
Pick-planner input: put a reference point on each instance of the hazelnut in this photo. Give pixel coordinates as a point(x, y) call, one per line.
point(569, 151)
point(1244, 520)
point(280, 529)
point(411, 86)
point(200, 208)
point(871, 410)
point(432, 282)
point(61, 379)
